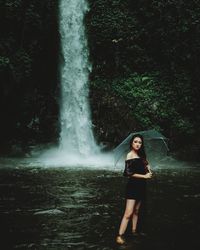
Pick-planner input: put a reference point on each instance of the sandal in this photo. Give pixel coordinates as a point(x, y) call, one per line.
point(135, 234)
point(120, 239)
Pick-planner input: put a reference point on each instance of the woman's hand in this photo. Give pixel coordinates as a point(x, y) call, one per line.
point(148, 175)
point(149, 168)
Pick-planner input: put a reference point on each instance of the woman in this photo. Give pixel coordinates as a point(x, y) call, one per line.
point(136, 186)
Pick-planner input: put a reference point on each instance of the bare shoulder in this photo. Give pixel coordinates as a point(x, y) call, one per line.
point(129, 156)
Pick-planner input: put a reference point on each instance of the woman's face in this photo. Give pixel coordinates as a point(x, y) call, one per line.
point(137, 143)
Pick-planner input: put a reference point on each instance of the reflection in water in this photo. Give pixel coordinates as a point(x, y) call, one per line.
point(58, 208)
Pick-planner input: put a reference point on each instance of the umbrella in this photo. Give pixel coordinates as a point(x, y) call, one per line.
point(154, 142)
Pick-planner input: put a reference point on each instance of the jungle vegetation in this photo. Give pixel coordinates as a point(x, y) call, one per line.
point(145, 57)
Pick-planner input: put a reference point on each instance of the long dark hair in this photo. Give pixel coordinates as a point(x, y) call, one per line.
point(141, 151)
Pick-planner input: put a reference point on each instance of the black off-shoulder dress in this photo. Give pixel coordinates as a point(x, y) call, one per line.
point(136, 187)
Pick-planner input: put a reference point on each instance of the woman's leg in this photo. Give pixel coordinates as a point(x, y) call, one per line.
point(135, 215)
point(130, 204)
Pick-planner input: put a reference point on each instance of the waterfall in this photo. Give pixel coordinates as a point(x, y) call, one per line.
point(76, 136)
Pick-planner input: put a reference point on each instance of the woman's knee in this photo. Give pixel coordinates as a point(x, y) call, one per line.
point(136, 211)
point(128, 214)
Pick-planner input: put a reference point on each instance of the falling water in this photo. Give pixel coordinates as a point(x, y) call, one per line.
point(76, 128)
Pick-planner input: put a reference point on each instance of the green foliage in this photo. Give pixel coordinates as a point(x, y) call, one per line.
point(145, 101)
point(21, 65)
point(145, 56)
point(28, 70)
point(153, 102)
point(144, 36)
point(4, 61)
point(148, 53)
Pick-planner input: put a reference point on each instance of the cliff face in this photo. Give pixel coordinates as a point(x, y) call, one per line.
point(145, 57)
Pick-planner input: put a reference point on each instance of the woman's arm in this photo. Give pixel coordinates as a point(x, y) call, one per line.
point(142, 176)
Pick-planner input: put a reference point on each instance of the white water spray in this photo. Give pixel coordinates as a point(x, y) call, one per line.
point(76, 135)
point(77, 144)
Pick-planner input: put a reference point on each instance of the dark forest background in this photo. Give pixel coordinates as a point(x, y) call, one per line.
point(145, 56)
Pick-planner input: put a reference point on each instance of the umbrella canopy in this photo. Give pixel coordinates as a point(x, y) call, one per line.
point(154, 141)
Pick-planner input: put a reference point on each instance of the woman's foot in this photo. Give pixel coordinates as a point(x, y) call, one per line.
point(120, 240)
point(135, 233)
point(138, 234)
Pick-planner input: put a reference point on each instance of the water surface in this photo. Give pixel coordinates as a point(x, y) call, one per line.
point(81, 208)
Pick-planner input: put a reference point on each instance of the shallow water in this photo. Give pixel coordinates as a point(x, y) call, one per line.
point(81, 208)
